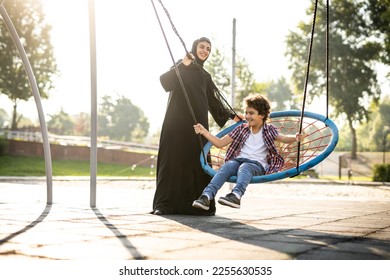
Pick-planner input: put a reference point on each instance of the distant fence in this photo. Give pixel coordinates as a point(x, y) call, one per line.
point(77, 148)
point(64, 140)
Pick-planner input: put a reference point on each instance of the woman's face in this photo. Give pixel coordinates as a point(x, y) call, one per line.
point(203, 50)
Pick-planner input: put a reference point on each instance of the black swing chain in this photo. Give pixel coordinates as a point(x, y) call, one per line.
point(306, 82)
point(178, 73)
point(188, 55)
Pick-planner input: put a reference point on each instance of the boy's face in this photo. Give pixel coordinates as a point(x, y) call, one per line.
point(253, 118)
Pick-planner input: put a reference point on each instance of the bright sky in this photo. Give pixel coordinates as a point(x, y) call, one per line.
point(132, 54)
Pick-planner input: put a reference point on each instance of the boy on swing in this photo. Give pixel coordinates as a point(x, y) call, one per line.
point(252, 152)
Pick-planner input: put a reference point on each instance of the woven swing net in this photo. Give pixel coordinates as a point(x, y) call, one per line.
point(317, 138)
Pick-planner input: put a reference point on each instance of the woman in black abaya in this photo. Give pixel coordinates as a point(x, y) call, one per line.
point(180, 177)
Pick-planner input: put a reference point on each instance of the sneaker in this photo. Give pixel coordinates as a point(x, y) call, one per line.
point(202, 203)
point(230, 200)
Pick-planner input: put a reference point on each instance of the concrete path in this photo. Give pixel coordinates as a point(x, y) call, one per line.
point(304, 220)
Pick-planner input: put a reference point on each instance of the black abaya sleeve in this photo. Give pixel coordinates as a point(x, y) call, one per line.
point(217, 106)
point(169, 80)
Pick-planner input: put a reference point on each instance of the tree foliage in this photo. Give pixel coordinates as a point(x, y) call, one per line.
point(61, 123)
point(3, 118)
point(278, 92)
point(29, 21)
point(379, 14)
point(121, 120)
point(353, 80)
point(372, 133)
point(217, 67)
point(82, 124)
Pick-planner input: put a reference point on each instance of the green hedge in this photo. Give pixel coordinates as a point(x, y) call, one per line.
point(381, 173)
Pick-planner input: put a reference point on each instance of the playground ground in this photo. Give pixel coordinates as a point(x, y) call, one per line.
point(284, 220)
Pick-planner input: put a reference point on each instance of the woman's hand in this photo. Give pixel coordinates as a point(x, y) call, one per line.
point(187, 61)
point(238, 117)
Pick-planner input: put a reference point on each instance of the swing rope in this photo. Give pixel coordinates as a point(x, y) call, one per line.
point(175, 65)
point(327, 58)
point(321, 133)
point(321, 139)
point(178, 72)
point(173, 27)
point(292, 157)
point(189, 56)
point(318, 137)
point(306, 80)
point(216, 90)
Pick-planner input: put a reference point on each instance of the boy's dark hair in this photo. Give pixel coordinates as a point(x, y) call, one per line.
point(260, 103)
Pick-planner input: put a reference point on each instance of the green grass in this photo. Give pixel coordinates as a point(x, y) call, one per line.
point(35, 166)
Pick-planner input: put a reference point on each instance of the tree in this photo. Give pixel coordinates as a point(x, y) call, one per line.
point(61, 123)
point(372, 133)
point(217, 67)
point(29, 21)
point(379, 14)
point(246, 83)
point(353, 80)
point(280, 93)
point(82, 124)
point(121, 120)
point(3, 118)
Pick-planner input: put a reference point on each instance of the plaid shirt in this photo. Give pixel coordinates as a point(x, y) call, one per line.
point(241, 133)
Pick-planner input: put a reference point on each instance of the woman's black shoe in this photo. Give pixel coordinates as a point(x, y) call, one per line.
point(158, 212)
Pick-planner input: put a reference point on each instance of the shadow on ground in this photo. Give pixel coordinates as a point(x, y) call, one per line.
point(135, 254)
point(297, 243)
point(29, 226)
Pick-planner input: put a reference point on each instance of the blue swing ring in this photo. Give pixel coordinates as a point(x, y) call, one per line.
point(291, 172)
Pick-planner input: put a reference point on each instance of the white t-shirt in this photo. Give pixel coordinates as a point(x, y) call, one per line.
point(254, 148)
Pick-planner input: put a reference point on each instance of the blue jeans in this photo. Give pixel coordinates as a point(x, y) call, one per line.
point(244, 168)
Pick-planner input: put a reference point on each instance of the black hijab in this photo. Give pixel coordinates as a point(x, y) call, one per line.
point(194, 48)
point(225, 111)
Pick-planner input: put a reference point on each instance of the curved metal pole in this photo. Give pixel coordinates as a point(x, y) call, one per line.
point(35, 91)
point(93, 149)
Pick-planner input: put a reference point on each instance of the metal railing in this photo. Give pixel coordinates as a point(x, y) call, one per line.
point(67, 140)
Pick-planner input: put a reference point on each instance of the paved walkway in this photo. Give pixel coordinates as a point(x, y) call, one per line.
point(304, 220)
